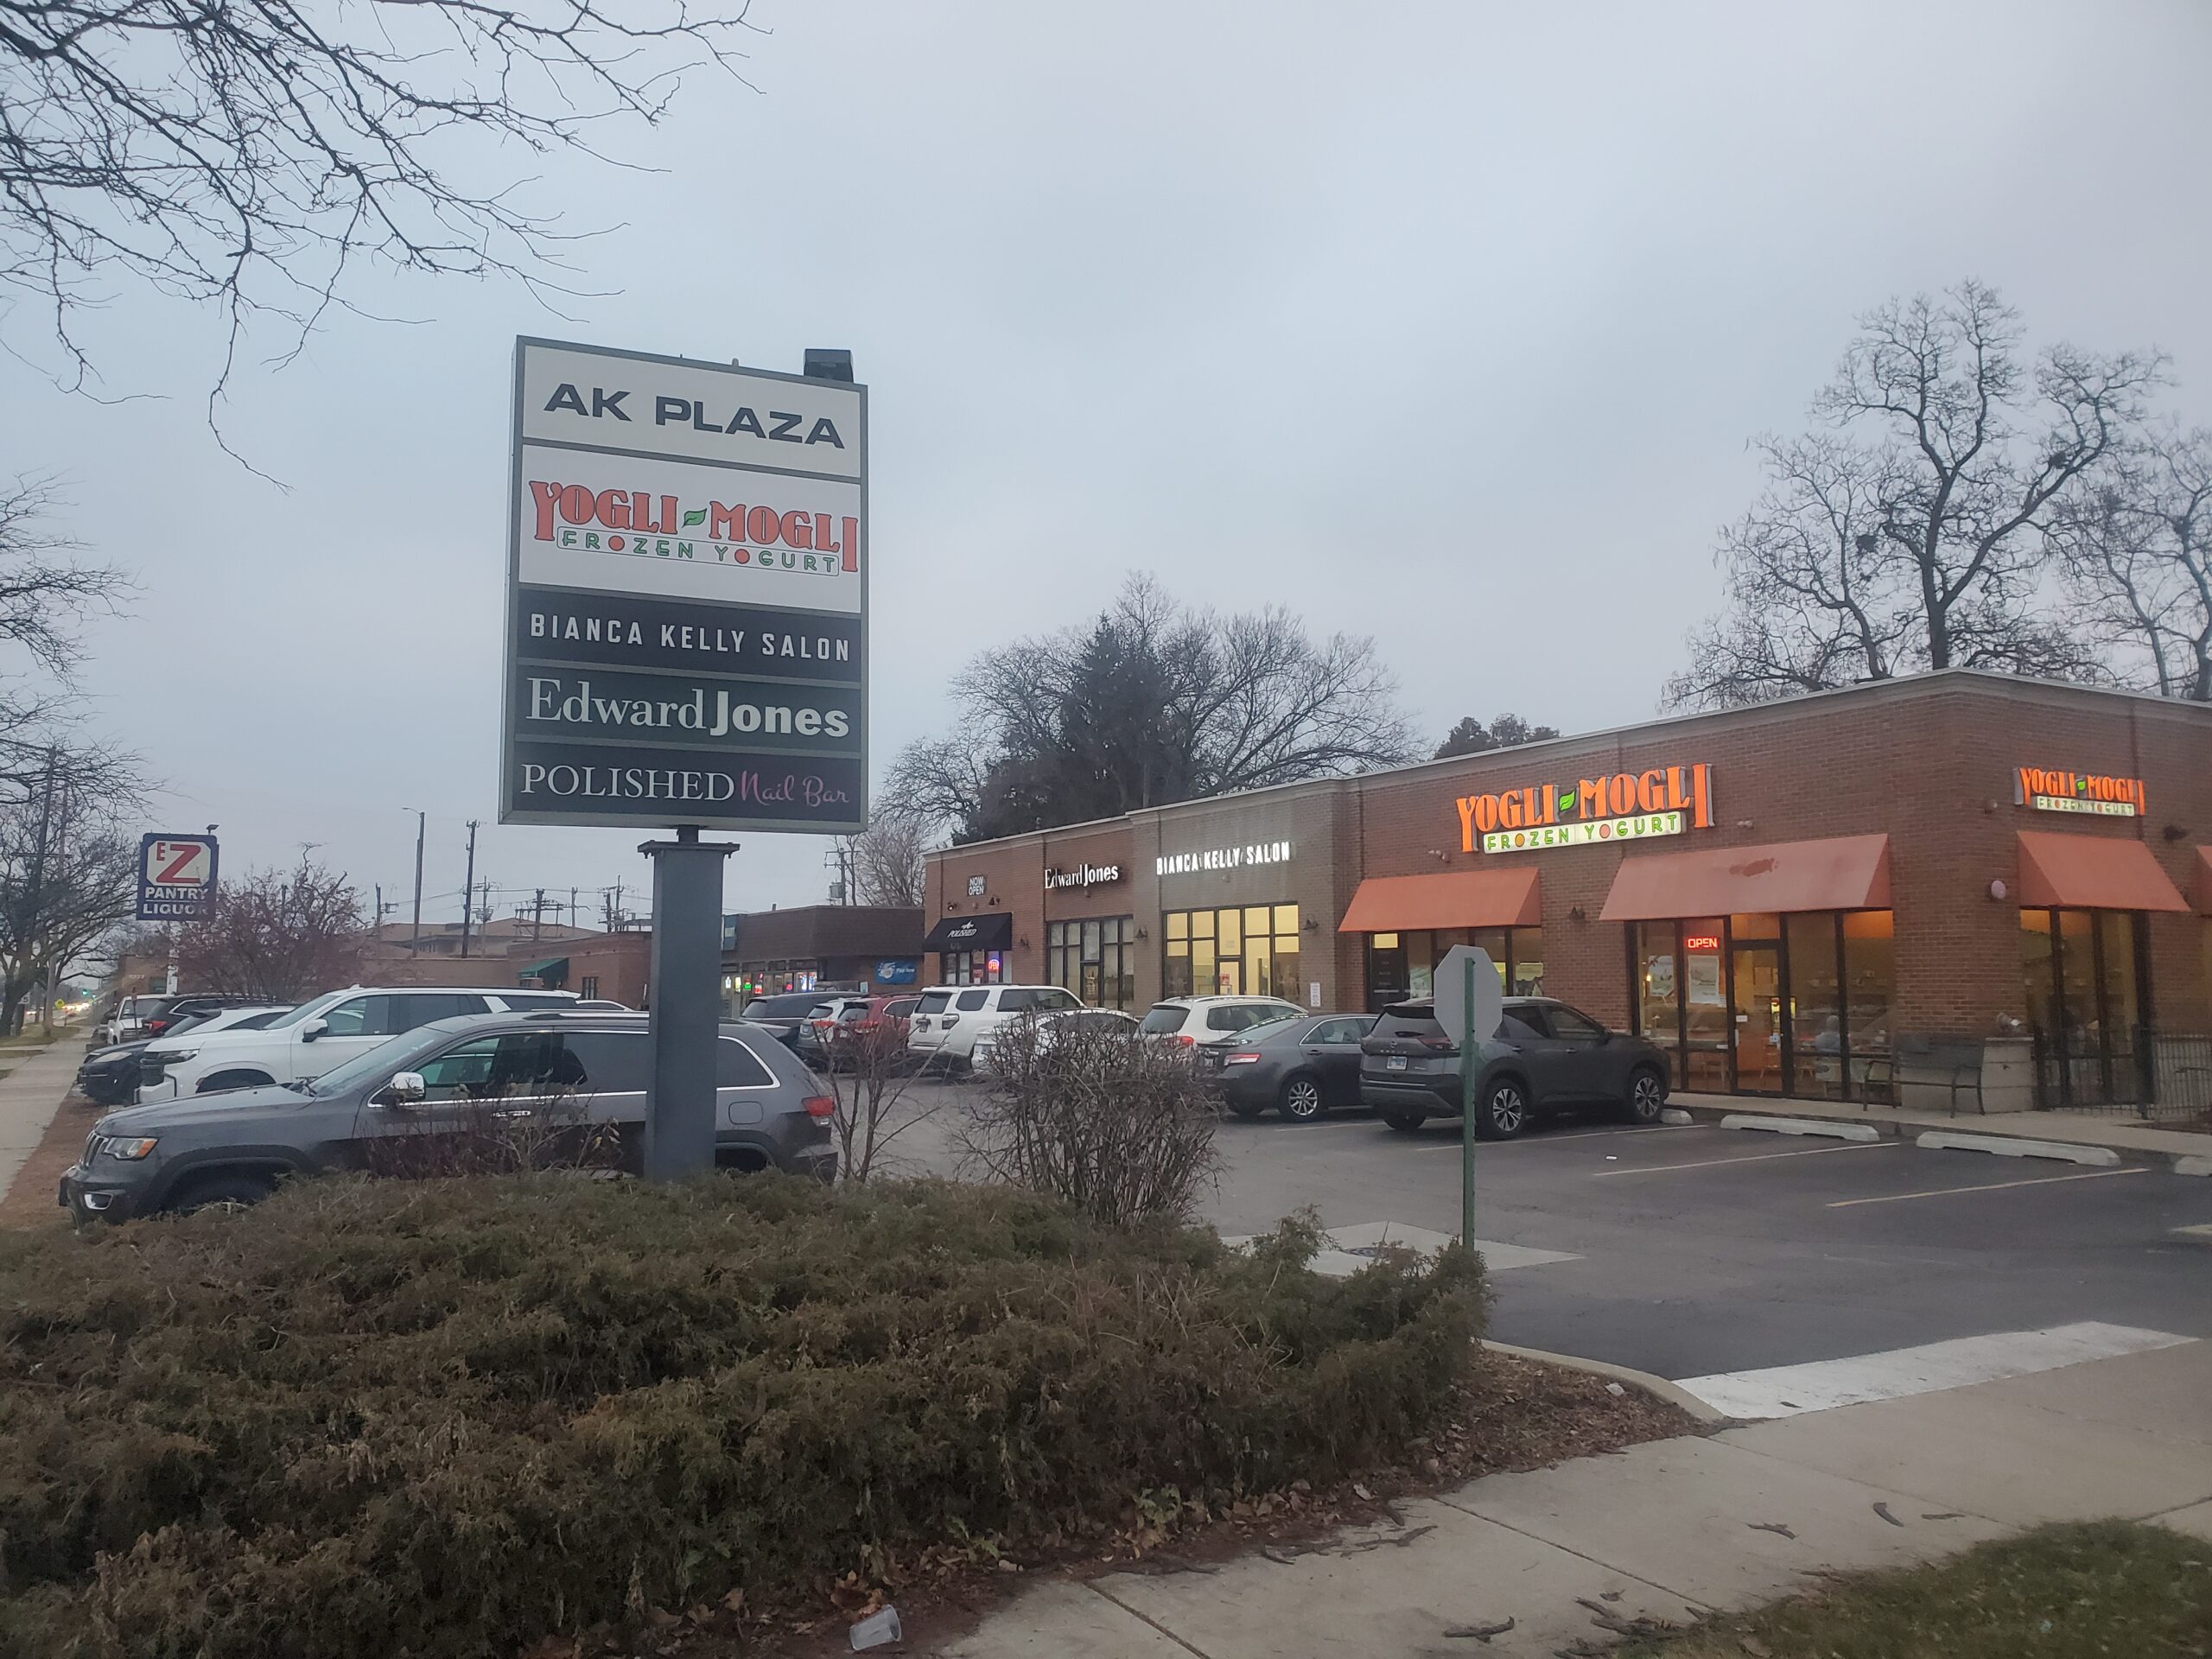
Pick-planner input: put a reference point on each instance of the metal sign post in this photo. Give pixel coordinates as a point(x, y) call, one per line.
point(1469, 1002)
point(686, 1011)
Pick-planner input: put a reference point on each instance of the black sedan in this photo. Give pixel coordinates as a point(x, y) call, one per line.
point(1546, 1056)
point(1303, 1066)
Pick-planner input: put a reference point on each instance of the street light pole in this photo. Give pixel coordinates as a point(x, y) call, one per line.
point(414, 939)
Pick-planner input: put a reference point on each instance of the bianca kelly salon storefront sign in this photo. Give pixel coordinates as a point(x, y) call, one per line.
point(687, 595)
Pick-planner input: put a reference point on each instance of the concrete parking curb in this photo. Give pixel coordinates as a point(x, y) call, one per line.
point(2193, 1166)
point(1657, 1387)
point(2006, 1145)
point(1813, 1126)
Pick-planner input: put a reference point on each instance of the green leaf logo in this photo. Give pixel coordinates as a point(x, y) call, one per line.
point(1566, 799)
point(699, 517)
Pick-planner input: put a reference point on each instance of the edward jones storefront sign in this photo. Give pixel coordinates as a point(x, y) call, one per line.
point(1623, 806)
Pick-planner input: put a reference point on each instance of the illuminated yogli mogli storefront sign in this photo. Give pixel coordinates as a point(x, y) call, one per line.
point(1083, 875)
point(1616, 806)
point(2077, 792)
point(1223, 858)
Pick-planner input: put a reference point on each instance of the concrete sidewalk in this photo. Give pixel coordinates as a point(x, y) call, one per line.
point(1669, 1530)
point(2131, 1138)
point(31, 1094)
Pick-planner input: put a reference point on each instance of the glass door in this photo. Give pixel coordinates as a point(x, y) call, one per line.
point(1386, 971)
point(1755, 987)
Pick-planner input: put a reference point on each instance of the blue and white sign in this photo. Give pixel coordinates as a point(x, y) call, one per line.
point(898, 970)
point(177, 877)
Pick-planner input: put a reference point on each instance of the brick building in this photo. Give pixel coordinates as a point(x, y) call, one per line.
point(1787, 897)
point(851, 947)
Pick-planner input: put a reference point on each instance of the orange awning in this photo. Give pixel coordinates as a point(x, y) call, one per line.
point(2091, 873)
point(1396, 903)
point(2204, 880)
point(1841, 872)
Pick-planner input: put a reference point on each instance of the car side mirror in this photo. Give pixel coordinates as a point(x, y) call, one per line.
point(313, 1029)
point(406, 1089)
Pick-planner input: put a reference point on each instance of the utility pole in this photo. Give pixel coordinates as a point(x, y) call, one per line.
point(414, 939)
point(536, 915)
point(572, 907)
point(468, 888)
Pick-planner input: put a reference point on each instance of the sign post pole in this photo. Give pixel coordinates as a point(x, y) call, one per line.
point(1468, 1051)
point(685, 1003)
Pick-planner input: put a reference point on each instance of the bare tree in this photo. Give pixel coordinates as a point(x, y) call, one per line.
point(2136, 541)
point(245, 153)
point(276, 935)
point(1911, 532)
point(871, 1074)
point(885, 860)
point(1151, 703)
point(46, 592)
point(68, 878)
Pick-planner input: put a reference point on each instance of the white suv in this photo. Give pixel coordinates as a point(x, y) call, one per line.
point(316, 1037)
point(949, 1018)
point(1198, 1020)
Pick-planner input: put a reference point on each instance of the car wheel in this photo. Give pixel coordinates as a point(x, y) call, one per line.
point(1404, 1120)
point(1301, 1100)
point(229, 1190)
point(222, 1080)
point(1647, 1096)
point(1503, 1112)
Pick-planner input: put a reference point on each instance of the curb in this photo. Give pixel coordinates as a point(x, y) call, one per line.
point(1802, 1126)
point(2193, 1166)
point(1657, 1387)
point(2006, 1145)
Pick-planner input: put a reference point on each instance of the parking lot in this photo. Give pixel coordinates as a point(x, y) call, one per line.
point(1695, 1250)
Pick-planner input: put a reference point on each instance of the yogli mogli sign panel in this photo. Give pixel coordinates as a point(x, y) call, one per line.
point(687, 595)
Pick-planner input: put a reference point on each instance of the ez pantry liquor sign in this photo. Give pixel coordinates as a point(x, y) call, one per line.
point(687, 595)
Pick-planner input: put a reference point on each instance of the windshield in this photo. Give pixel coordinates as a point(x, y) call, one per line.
point(305, 1008)
point(379, 1062)
point(1166, 1017)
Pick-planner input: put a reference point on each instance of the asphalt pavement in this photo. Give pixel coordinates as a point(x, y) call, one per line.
point(1699, 1249)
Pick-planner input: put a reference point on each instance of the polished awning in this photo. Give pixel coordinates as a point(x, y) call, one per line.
point(994, 932)
point(2204, 880)
point(2091, 873)
point(1839, 873)
point(1397, 904)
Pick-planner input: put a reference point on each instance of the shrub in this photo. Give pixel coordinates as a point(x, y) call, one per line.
point(1109, 1121)
point(451, 1417)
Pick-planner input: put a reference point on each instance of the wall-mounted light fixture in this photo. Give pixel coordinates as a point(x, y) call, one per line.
point(1142, 934)
point(1997, 890)
point(1576, 913)
point(1312, 925)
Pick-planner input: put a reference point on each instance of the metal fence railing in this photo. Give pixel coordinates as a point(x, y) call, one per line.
point(2161, 1075)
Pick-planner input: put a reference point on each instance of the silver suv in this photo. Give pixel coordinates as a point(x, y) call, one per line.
point(554, 1068)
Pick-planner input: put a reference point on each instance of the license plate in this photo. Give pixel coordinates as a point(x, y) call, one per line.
point(1394, 1063)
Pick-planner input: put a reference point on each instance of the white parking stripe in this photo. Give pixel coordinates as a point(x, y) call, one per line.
point(1991, 1186)
point(1554, 1139)
point(1789, 1390)
point(1756, 1158)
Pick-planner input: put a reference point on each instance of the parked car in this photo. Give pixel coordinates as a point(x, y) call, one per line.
point(1078, 1019)
point(109, 1077)
point(861, 1019)
point(124, 1022)
point(1304, 1065)
point(1546, 1055)
point(1193, 1021)
point(784, 1013)
point(811, 1040)
point(182, 1154)
point(949, 1018)
point(316, 1036)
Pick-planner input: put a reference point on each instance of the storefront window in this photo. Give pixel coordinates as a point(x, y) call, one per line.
point(1526, 953)
point(974, 968)
point(1251, 951)
point(1869, 951)
point(1758, 1003)
point(1096, 959)
point(2082, 976)
point(1816, 1006)
point(1403, 965)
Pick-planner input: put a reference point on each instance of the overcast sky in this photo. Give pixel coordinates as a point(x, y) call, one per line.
point(1445, 323)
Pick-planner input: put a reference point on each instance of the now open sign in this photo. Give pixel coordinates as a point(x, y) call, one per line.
point(177, 877)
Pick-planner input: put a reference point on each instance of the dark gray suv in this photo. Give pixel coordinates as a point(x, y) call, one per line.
point(1546, 1056)
point(559, 1069)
